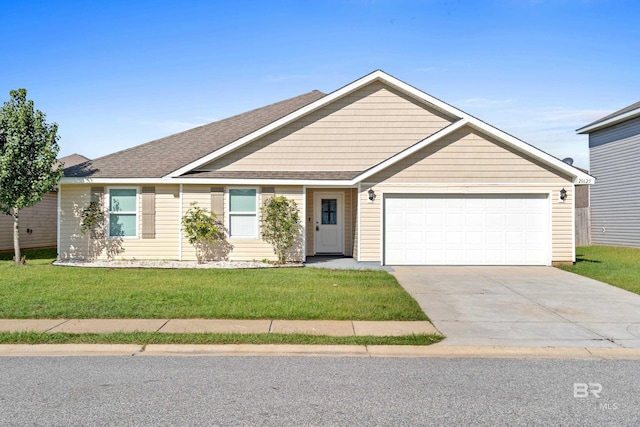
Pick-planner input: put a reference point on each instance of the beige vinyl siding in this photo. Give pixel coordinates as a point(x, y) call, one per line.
point(467, 156)
point(74, 244)
point(562, 225)
point(353, 133)
point(561, 214)
point(350, 221)
point(370, 238)
point(40, 218)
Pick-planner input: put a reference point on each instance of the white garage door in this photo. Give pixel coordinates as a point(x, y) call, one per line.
point(466, 229)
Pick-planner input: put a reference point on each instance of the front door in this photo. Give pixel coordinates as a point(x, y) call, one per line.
point(329, 228)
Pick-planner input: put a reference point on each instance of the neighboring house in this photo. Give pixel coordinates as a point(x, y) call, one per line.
point(380, 171)
point(614, 153)
point(38, 223)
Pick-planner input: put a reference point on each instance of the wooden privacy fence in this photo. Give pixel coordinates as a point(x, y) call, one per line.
point(583, 226)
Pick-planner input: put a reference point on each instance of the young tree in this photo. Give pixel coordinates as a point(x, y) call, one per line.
point(28, 151)
point(280, 225)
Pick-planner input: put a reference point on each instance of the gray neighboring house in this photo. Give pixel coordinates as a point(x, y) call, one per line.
point(614, 151)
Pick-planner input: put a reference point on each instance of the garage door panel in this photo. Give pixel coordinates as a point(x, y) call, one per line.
point(414, 219)
point(434, 237)
point(467, 229)
point(454, 219)
point(436, 219)
point(415, 238)
point(475, 238)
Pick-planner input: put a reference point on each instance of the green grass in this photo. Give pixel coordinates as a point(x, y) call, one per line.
point(615, 265)
point(40, 290)
point(143, 338)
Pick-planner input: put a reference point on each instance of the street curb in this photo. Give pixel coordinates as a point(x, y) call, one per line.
point(193, 350)
point(20, 350)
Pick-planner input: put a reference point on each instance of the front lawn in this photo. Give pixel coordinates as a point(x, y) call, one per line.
point(40, 290)
point(615, 265)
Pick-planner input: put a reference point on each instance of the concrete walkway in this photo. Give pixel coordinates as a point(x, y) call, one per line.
point(343, 263)
point(310, 327)
point(523, 307)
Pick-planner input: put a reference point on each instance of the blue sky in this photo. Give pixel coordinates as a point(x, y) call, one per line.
point(120, 73)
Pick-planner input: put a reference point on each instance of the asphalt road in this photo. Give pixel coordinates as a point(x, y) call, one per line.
point(282, 391)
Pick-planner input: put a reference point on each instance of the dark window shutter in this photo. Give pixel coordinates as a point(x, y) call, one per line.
point(217, 202)
point(148, 212)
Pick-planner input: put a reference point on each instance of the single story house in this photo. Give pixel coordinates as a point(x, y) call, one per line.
point(614, 157)
point(38, 222)
point(380, 171)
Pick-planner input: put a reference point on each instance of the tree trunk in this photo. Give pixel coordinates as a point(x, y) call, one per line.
point(16, 237)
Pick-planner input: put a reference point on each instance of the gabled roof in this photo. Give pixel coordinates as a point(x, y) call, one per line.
point(619, 116)
point(380, 76)
point(163, 156)
point(177, 158)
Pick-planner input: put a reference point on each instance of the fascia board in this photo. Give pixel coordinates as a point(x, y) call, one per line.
point(609, 122)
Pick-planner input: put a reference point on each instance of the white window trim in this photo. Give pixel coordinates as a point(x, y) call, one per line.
point(256, 213)
point(108, 212)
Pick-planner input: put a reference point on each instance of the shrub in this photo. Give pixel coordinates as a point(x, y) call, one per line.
point(280, 225)
point(202, 229)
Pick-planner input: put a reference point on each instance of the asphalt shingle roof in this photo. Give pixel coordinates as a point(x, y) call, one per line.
point(72, 160)
point(158, 158)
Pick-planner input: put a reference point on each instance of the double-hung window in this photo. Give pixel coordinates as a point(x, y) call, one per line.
point(123, 212)
point(243, 213)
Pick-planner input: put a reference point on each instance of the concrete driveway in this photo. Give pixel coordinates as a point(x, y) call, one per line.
point(523, 306)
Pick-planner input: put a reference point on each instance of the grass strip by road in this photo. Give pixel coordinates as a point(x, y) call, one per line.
point(40, 290)
point(143, 338)
point(614, 265)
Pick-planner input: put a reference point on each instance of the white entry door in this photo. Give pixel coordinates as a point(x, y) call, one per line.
point(491, 229)
point(329, 223)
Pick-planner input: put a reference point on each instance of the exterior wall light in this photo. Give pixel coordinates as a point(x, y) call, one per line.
point(372, 195)
point(563, 195)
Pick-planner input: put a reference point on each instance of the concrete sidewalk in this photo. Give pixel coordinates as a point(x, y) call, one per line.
point(310, 327)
